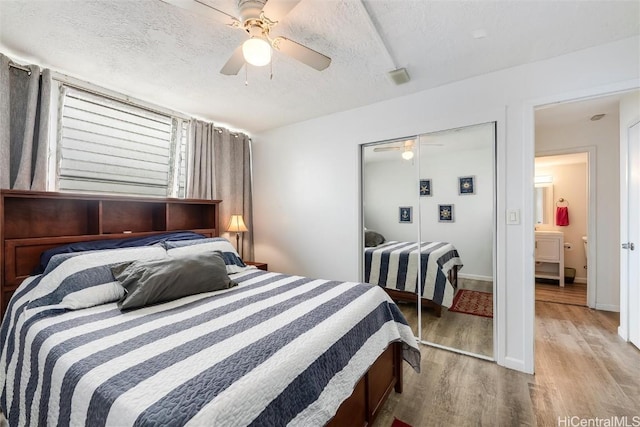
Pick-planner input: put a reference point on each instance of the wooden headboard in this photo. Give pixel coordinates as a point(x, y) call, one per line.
point(32, 222)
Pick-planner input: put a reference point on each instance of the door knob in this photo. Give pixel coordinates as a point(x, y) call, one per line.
point(629, 245)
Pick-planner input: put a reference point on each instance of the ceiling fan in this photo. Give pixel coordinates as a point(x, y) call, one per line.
point(257, 18)
point(405, 146)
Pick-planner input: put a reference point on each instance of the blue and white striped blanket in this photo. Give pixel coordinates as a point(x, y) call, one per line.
point(276, 350)
point(394, 265)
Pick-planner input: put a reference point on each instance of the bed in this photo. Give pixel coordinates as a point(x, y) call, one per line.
point(394, 266)
point(271, 349)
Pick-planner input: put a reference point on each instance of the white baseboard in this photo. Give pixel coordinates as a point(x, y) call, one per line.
point(608, 307)
point(580, 280)
point(515, 364)
point(475, 277)
point(623, 333)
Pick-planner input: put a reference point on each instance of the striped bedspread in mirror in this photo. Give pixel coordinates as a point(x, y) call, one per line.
point(394, 265)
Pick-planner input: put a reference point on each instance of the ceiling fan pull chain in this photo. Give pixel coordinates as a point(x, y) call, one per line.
point(271, 71)
point(246, 74)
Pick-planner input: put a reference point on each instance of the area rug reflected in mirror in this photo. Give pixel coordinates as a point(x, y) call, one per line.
point(398, 423)
point(473, 302)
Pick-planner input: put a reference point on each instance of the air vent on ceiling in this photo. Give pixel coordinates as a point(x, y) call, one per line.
point(399, 76)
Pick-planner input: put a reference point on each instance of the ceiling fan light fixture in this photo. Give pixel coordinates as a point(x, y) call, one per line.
point(257, 51)
point(407, 154)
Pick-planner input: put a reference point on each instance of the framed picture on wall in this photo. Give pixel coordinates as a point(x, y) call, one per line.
point(466, 185)
point(425, 187)
point(405, 214)
point(445, 213)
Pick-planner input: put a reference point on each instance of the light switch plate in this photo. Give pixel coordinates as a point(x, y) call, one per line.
point(513, 216)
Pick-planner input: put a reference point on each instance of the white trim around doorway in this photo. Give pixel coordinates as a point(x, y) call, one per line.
point(528, 142)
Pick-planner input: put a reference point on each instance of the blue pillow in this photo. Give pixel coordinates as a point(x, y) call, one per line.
point(129, 242)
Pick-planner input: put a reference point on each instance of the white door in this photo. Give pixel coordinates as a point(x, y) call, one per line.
point(633, 242)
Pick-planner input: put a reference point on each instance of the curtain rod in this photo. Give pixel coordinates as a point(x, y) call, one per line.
point(20, 67)
point(70, 82)
point(234, 133)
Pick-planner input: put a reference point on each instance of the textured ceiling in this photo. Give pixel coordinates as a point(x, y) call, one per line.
point(168, 56)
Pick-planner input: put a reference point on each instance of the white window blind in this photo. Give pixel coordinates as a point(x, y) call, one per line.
point(108, 146)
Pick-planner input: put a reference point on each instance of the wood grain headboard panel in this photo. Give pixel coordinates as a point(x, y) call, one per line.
point(33, 222)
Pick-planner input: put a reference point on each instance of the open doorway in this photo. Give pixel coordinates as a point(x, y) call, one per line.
point(563, 215)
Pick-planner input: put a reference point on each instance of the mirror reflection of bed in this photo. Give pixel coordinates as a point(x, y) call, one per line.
point(449, 185)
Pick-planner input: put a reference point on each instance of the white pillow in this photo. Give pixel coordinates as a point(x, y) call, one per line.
point(84, 279)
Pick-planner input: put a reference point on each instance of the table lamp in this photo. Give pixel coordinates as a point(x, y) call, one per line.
point(236, 224)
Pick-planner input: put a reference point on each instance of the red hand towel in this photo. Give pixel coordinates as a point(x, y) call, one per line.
point(562, 216)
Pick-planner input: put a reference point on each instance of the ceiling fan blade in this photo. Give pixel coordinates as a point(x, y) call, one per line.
point(387, 148)
point(302, 53)
point(278, 9)
point(234, 64)
point(205, 10)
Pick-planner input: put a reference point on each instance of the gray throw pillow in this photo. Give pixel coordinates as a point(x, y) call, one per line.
point(161, 280)
point(372, 238)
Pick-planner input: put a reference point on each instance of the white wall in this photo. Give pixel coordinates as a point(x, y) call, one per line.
point(570, 183)
point(387, 185)
point(604, 135)
point(307, 177)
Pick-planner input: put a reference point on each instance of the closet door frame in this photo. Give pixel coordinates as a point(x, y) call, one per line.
point(463, 119)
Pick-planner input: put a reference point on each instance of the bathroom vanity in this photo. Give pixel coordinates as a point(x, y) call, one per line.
point(549, 255)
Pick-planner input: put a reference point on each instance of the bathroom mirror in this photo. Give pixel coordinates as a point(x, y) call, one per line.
point(543, 198)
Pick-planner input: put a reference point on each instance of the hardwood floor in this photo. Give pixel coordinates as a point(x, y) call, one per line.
point(574, 293)
point(458, 330)
point(582, 368)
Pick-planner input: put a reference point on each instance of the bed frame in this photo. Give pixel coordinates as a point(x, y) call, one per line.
point(32, 222)
point(410, 297)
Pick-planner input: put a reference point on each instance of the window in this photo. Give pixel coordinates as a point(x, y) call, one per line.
point(108, 146)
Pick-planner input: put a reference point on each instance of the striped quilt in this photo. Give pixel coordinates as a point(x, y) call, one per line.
point(275, 350)
point(394, 265)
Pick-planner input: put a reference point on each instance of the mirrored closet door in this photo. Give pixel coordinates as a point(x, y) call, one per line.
point(389, 171)
point(435, 211)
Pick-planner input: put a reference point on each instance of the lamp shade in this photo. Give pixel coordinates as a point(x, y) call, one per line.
point(256, 51)
point(236, 224)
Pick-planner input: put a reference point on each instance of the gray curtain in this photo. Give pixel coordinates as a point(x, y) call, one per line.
point(25, 99)
point(200, 161)
point(219, 167)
